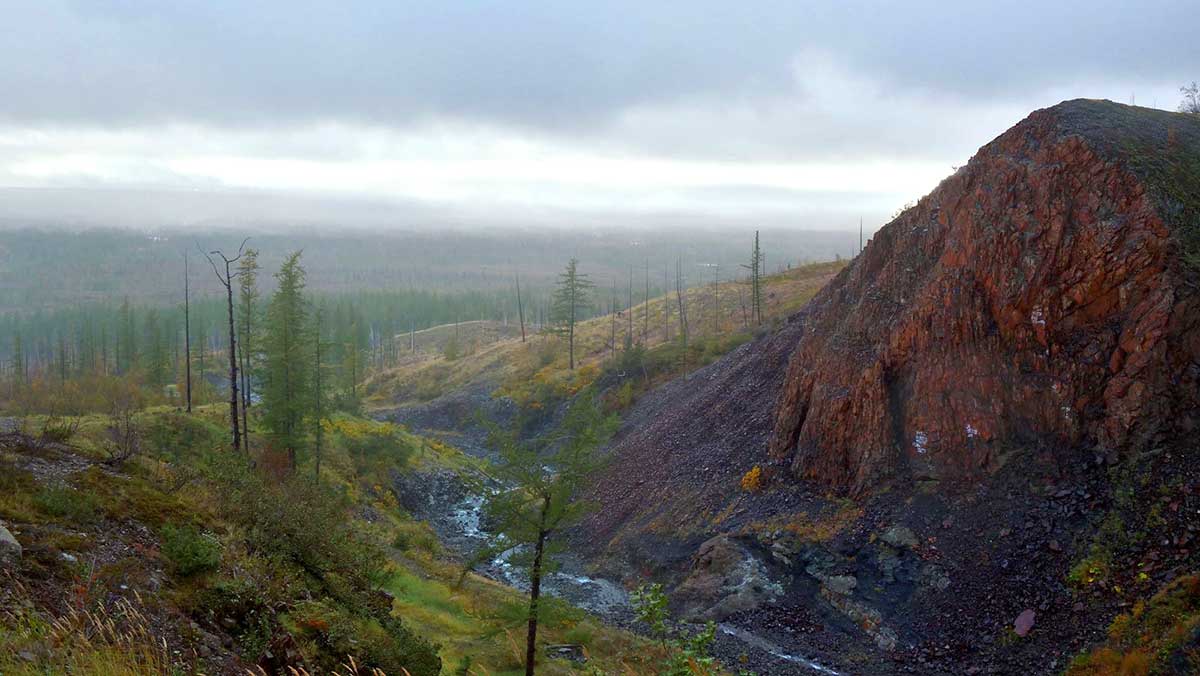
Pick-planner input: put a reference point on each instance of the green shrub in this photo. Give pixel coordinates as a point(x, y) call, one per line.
point(381, 642)
point(418, 537)
point(59, 429)
point(190, 552)
point(308, 525)
point(242, 605)
point(66, 503)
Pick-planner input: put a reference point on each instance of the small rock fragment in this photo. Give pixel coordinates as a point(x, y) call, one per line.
point(1024, 622)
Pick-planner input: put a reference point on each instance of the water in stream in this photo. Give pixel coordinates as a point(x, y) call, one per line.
point(602, 597)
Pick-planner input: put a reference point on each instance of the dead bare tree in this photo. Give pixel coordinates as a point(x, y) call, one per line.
point(646, 308)
point(520, 308)
point(227, 282)
point(629, 311)
point(679, 296)
point(187, 333)
point(666, 304)
point(612, 305)
point(124, 437)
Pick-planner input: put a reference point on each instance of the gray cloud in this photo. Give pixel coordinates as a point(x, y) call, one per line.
point(547, 65)
point(708, 108)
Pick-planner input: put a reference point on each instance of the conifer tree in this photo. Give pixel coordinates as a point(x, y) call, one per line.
point(286, 395)
point(545, 477)
point(571, 299)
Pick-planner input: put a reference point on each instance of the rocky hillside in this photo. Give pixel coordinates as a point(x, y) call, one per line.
point(969, 452)
point(1040, 294)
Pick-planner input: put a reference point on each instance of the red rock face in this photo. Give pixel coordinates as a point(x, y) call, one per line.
point(1037, 295)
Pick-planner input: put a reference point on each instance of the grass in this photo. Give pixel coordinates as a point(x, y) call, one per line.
point(263, 557)
point(821, 526)
point(1161, 635)
point(113, 640)
point(718, 323)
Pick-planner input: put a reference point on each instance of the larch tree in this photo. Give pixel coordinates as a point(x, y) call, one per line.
point(286, 396)
point(544, 480)
point(755, 267)
point(572, 298)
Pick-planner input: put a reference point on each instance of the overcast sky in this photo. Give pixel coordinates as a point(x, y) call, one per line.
point(809, 114)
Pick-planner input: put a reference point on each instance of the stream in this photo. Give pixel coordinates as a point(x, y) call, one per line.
point(601, 597)
point(458, 521)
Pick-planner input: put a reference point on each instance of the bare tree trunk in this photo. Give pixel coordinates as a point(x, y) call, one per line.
point(742, 301)
point(187, 334)
point(571, 333)
point(646, 308)
point(629, 304)
point(233, 371)
point(716, 299)
point(666, 304)
point(317, 392)
point(679, 296)
point(245, 359)
point(535, 590)
point(520, 309)
point(612, 338)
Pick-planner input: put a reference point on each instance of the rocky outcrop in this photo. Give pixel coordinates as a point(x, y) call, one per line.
point(725, 579)
point(1040, 294)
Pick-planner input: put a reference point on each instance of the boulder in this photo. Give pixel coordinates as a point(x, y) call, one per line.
point(725, 579)
point(900, 537)
point(567, 651)
point(10, 549)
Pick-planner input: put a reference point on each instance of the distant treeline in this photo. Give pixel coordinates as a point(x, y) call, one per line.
point(116, 337)
point(48, 269)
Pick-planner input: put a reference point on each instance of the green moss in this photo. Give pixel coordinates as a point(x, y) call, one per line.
point(134, 498)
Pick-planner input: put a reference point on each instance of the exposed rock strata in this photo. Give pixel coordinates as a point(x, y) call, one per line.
point(1040, 294)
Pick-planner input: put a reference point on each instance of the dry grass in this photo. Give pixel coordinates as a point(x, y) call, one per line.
point(711, 313)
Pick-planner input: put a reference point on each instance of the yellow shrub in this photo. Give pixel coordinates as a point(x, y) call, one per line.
point(752, 481)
